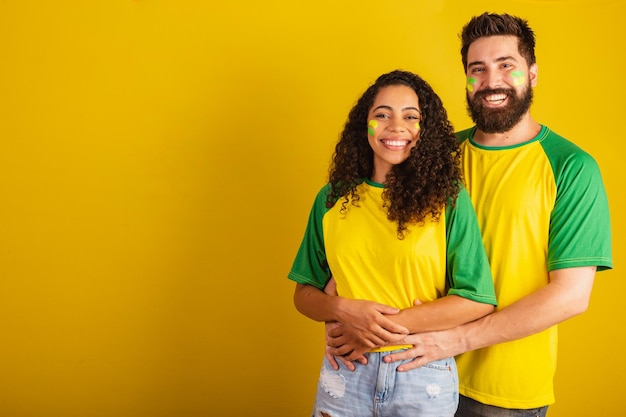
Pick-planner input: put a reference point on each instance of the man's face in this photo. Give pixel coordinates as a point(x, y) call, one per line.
point(499, 83)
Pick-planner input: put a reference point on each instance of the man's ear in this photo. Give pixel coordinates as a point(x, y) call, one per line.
point(533, 73)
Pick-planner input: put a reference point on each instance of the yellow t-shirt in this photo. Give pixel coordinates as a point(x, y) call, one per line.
point(361, 250)
point(541, 206)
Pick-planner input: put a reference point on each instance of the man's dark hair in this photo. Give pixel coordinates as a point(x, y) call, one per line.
point(491, 24)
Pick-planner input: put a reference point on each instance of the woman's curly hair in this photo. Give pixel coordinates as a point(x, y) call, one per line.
point(421, 185)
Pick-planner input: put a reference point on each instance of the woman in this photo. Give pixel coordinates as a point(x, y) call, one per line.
point(393, 225)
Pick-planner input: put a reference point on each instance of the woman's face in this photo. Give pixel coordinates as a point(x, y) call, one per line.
point(393, 128)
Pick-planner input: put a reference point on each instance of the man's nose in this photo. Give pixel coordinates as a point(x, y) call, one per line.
point(494, 79)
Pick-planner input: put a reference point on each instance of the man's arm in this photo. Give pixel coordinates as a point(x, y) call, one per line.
point(566, 296)
point(441, 314)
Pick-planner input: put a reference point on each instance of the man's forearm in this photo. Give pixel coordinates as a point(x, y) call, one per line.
point(566, 296)
point(441, 314)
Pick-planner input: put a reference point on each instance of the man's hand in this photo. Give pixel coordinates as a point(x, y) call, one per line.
point(428, 347)
point(332, 359)
point(345, 347)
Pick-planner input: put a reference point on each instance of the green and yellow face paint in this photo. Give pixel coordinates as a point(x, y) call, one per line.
point(518, 78)
point(470, 83)
point(371, 126)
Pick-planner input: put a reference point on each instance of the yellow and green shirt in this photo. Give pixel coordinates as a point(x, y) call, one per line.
point(361, 250)
point(541, 206)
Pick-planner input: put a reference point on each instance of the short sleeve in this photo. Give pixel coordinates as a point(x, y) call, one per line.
point(580, 227)
point(467, 269)
point(310, 265)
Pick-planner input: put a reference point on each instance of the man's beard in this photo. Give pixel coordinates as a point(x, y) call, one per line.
point(502, 119)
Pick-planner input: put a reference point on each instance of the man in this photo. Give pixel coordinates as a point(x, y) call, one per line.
point(544, 217)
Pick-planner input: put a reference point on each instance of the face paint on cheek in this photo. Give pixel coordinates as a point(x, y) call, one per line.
point(470, 84)
point(417, 126)
point(518, 78)
point(371, 126)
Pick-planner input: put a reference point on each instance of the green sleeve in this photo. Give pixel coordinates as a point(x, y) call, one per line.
point(580, 227)
point(311, 266)
point(468, 271)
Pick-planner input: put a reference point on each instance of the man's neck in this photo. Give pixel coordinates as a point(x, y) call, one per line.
point(522, 132)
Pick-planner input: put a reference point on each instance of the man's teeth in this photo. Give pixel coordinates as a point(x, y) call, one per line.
point(496, 97)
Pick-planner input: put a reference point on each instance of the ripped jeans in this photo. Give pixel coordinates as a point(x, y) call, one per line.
point(378, 390)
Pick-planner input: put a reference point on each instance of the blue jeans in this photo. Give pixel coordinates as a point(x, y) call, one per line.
point(472, 408)
point(377, 389)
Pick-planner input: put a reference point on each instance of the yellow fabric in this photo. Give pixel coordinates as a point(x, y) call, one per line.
point(513, 212)
point(418, 269)
point(391, 271)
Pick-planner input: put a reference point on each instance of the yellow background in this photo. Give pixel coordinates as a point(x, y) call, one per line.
point(158, 160)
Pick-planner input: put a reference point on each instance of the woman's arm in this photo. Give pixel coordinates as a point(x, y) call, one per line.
point(444, 313)
point(366, 321)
